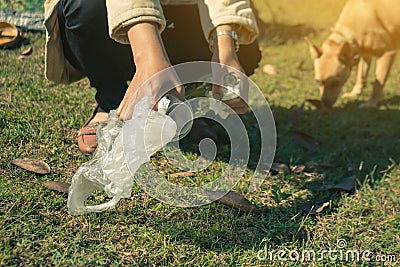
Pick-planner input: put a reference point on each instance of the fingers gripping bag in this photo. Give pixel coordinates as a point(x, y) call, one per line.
point(146, 133)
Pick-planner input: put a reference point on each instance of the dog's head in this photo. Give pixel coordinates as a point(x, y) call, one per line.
point(332, 67)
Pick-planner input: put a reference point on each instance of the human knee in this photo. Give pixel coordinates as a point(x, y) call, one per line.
point(80, 13)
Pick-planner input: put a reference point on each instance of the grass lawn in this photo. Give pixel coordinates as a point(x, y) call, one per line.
point(39, 120)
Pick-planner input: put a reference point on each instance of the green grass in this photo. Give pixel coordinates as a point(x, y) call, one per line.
point(39, 120)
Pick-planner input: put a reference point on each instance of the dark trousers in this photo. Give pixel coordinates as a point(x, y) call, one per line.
point(109, 65)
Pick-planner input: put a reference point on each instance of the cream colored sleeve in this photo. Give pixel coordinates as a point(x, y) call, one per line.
point(217, 12)
point(124, 13)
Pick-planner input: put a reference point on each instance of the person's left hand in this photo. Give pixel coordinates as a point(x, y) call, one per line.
point(225, 54)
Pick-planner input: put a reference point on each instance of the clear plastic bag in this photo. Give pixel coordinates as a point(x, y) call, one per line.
point(144, 134)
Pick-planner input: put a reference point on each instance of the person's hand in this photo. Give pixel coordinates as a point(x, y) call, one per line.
point(150, 58)
point(225, 54)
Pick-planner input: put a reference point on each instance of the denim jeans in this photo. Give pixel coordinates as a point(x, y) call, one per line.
point(109, 65)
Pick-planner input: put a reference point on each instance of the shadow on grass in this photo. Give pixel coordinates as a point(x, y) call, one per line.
point(390, 101)
point(361, 142)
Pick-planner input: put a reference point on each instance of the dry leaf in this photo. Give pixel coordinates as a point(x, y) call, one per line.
point(347, 184)
point(294, 115)
point(314, 208)
point(319, 105)
point(57, 186)
point(27, 51)
point(33, 165)
point(269, 69)
point(235, 200)
point(305, 140)
point(178, 174)
point(279, 168)
point(22, 57)
point(297, 168)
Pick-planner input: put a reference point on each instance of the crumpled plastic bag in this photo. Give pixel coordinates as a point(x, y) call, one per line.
point(146, 133)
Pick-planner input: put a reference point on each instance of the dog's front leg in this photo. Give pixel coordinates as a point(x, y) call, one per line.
point(383, 65)
point(362, 75)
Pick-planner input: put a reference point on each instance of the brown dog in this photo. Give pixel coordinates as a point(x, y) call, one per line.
point(365, 28)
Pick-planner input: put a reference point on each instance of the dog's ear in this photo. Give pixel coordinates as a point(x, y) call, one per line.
point(315, 51)
point(348, 55)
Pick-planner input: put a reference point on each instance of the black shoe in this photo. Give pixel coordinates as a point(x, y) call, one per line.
point(201, 129)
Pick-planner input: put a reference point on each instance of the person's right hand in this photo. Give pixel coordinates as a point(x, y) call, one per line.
point(224, 53)
point(150, 58)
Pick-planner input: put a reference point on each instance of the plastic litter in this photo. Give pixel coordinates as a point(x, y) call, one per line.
point(145, 134)
point(230, 91)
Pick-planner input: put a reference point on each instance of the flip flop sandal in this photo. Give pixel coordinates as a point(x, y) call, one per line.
point(9, 35)
point(87, 141)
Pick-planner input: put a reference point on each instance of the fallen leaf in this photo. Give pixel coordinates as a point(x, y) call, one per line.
point(305, 140)
point(27, 51)
point(278, 168)
point(269, 69)
point(178, 174)
point(22, 57)
point(297, 168)
point(25, 54)
point(314, 208)
point(347, 184)
point(323, 206)
point(235, 200)
point(33, 165)
point(319, 105)
point(311, 174)
point(294, 115)
point(57, 186)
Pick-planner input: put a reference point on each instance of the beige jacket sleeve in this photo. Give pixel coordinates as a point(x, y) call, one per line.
point(217, 12)
point(124, 13)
